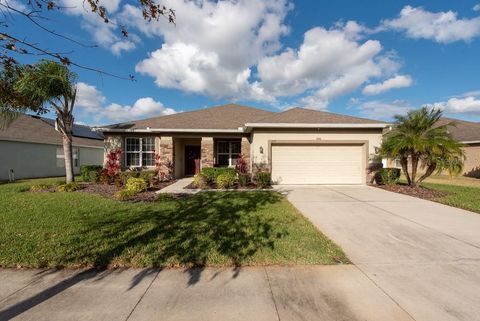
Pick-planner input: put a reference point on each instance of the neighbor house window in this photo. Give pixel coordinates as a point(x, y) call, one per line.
point(227, 152)
point(398, 163)
point(139, 152)
point(61, 157)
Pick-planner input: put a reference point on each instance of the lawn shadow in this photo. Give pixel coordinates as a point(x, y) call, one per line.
point(205, 229)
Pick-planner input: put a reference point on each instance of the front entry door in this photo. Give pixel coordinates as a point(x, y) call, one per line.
point(192, 160)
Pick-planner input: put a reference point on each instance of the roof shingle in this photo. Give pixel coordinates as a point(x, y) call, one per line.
point(464, 131)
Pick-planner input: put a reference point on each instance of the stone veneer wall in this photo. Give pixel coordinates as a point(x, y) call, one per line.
point(207, 152)
point(166, 171)
point(245, 151)
point(112, 142)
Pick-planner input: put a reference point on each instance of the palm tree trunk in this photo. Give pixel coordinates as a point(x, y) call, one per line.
point(68, 155)
point(404, 163)
point(430, 169)
point(414, 169)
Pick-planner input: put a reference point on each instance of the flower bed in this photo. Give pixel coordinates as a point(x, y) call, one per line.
point(418, 191)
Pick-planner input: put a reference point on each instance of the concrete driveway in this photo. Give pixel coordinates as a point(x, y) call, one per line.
point(425, 256)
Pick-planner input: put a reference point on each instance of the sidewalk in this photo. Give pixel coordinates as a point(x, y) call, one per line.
point(339, 292)
point(178, 187)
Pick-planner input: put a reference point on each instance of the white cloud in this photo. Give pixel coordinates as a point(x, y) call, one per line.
point(329, 63)
point(443, 27)
point(106, 35)
point(91, 103)
point(476, 7)
point(462, 105)
point(378, 109)
point(88, 97)
point(399, 81)
point(214, 45)
point(142, 108)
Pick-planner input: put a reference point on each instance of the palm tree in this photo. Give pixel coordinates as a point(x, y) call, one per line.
point(418, 140)
point(42, 87)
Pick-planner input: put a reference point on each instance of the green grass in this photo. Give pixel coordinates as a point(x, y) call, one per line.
point(466, 197)
point(207, 229)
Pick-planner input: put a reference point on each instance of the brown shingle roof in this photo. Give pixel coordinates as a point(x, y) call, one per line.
point(464, 130)
point(310, 116)
point(231, 116)
point(35, 129)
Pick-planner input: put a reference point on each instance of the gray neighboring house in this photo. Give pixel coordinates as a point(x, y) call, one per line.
point(31, 147)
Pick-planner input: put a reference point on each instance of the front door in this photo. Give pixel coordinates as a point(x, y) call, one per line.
point(192, 160)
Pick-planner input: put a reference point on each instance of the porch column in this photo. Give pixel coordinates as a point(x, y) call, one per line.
point(207, 152)
point(111, 143)
point(166, 171)
point(245, 151)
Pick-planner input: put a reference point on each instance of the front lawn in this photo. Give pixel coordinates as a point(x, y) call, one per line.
point(208, 229)
point(466, 197)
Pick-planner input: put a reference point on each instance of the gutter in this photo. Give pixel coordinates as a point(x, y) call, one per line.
point(318, 125)
point(170, 130)
point(471, 142)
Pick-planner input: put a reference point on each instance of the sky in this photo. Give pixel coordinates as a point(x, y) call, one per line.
point(371, 59)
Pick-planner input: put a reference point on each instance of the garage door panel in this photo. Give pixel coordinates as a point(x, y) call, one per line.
point(317, 164)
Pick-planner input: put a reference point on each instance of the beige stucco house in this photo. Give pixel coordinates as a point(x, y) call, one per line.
point(467, 133)
point(31, 147)
point(298, 146)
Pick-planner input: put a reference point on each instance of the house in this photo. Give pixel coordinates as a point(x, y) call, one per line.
point(467, 133)
point(299, 146)
point(31, 147)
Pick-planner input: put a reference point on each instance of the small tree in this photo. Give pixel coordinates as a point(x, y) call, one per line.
point(241, 165)
point(39, 88)
point(112, 166)
point(418, 140)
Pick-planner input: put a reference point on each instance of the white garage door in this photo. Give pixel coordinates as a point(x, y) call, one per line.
point(317, 164)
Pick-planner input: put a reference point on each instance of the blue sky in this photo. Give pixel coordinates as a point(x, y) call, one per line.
point(365, 58)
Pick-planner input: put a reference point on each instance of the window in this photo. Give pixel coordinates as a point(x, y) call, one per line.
point(61, 157)
point(139, 152)
point(227, 152)
point(398, 163)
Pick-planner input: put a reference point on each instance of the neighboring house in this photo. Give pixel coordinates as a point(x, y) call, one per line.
point(31, 147)
point(469, 134)
point(299, 146)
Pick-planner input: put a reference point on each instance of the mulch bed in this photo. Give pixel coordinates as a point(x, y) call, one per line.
point(420, 192)
point(109, 191)
point(214, 186)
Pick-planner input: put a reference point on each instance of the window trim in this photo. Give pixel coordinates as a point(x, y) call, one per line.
point(140, 152)
point(229, 153)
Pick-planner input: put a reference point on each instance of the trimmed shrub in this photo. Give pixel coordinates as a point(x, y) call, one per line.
point(69, 187)
point(90, 173)
point(225, 180)
point(199, 181)
point(150, 177)
point(387, 176)
point(241, 166)
point(125, 194)
point(211, 173)
point(136, 184)
point(125, 176)
point(40, 188)
point(263, 179)
point(243, 179)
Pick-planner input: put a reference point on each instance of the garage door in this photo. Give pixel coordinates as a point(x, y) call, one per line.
point(317, 164)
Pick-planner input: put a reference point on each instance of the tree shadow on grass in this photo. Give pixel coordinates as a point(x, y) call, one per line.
point(206, 229)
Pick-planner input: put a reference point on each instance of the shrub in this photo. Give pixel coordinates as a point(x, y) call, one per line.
point(199, 181)
point(125, 176)
point(125, 194)
point(243, 179)
point(387, 176)
point(241, 165)
point(136, 185)
point(40, 188)
point(69, 187)
point(225, 180)
point(263, 179)
point(150, 177)
point(90, 173)
point(110, 174)
point(211, 173)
